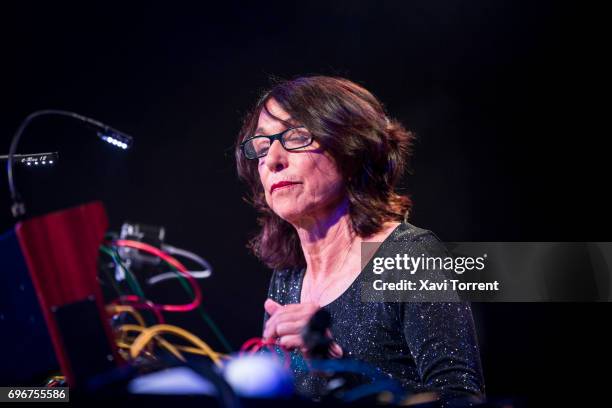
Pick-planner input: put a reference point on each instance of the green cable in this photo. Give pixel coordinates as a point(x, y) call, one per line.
point(131, 279)
point(110, 278)
point(135, 286)
point(201, 311)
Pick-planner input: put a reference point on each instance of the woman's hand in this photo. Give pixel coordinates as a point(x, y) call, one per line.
point(287, 322)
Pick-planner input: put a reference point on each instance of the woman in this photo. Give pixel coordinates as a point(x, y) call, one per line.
point(322, 159)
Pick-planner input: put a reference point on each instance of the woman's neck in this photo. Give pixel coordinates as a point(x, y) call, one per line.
point(325, 240)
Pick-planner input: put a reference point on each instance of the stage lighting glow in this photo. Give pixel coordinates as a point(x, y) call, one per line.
point(115, 139)
point(258, 376)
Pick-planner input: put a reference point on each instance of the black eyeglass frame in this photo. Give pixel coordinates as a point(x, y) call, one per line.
point(272, 138)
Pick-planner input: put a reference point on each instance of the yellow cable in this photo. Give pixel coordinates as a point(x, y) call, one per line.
point(55, 378)
point(131, 327)
point(123, 345)
point(195, 350)
point(149, 333)
point(162, 342)
point(117, 309)
point(186, 349)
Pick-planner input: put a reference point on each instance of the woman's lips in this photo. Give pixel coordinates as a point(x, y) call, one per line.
point(282, 184)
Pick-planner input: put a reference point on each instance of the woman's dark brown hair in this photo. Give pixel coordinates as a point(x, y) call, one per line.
point(369, 149)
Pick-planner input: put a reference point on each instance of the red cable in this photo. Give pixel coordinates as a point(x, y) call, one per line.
point(257, 343)
point(249, 343)
point(172, 261)
point(138, 303)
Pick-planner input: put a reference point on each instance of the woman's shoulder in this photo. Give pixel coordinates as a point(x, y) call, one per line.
point(406, 231)
point(419, 238)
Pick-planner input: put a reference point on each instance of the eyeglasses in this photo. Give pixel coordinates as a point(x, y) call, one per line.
point(291, 139)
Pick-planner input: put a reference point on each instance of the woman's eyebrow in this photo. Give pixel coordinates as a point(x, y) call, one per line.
point(288, 121)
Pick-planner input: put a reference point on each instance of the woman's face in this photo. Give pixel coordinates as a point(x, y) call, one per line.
point(315, 183)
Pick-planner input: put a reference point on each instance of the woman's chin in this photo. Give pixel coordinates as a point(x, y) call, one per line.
point(289, 214)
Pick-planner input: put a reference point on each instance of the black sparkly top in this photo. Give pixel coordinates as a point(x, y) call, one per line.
point(425, 346)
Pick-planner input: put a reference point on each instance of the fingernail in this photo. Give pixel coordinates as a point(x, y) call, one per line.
point(336, 349)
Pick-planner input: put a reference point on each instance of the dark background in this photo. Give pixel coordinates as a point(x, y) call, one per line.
point(502, 96)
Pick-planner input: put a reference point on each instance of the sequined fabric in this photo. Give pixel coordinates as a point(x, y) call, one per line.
point(424, 345)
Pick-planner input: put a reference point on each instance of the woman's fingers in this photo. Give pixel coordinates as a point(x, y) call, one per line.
point(295, 341)
point(300, 317)
point(299, 309)
point(291, 341)
point(335, 351)
point(289, 316)
point(271, 306)
point(290, 327)
point(287, 322)
point(295, 314)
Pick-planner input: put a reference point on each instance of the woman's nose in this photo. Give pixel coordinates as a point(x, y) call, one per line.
point(276, 159)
